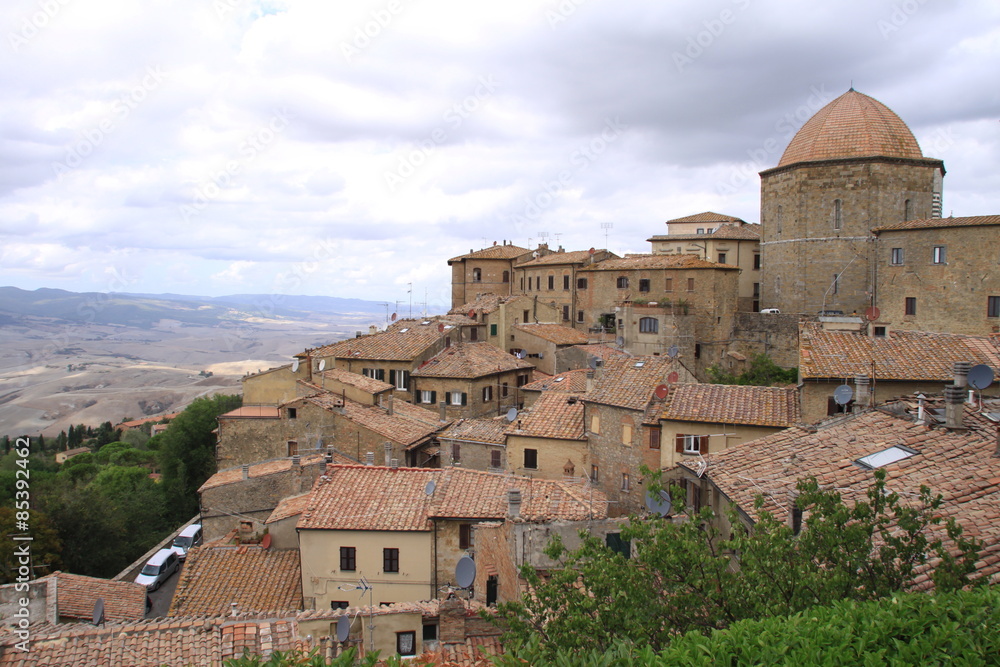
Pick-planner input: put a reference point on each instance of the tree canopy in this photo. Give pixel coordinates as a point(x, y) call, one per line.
point(761, 372)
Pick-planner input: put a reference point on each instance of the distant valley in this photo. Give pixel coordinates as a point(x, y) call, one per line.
point(69, 358)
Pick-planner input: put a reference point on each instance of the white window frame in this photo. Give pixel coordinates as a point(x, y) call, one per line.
point(487, 393)
point(401, 380)
point(425, 396)
point(455, 398)
point(896, 257)
point(939, 255)
point(692, 444)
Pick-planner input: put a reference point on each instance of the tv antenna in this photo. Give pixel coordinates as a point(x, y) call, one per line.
point(364, 587)
point(606, 226)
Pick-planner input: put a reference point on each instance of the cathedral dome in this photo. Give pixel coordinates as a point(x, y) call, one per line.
point(852, 126)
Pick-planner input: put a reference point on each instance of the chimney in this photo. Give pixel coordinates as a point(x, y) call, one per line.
point(954, 406)
point(961, 371)
point(394, 464)
point(862, 393)
point(443, 407)
point(369, 458)
point(296, 461)
point(451, 617)
point(514, 503)
point(246, 471)
point(328, 458)
point(388, 408)
point(590, 380)
point(387, 448)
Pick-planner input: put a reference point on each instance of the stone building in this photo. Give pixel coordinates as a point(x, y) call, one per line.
point(475, 444)
point(718, 238)
point(499, 314)
point(550, 441)
point(471, 380)
point(940, 274)
point(552, 279)
point(541, 343)
point(853, 167)
point(488, 270)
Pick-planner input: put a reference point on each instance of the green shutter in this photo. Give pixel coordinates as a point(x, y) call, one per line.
point(493, 330)
point(465, 398)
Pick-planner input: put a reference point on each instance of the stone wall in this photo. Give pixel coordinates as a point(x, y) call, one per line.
point(472, 455)
point(615, 458)
point(475, 406)
point(773, 334)
point(553, 456)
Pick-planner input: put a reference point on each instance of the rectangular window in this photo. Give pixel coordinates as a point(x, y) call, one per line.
point(910, 307)
point(465, 536)
point(531, 459)
point(595, 474)
point(504, 390)
point(402, 380)
point(622, 282)
point(390, 560)
point(292, 413)
point(525, 316)
point(938, 255)
point(348, 560)
point(581, 283)
point(649, 325)
point(993, 306)
point(669, 287)
point(644, 284)
point(473, 333)
point(293, 447)
point(756, 262)
point(456, 452)
point(691, 444)
point(701, 230)
point(496, 458)
point(487, 393)
point(619, 545)
point(457, 398)
point(722, 258)
point(552, 282)
point(836, 284)
point(522, 380)
point(493, 330)
point(690, 284)
point(579, 316)
point(339, 604)
point(595, 424)
point(566, 282)
point(654, 437)
point(565, 313)
point(897, 257)
point(627, 434)
point(406, 643)
point(428, 397)
point(626, 483)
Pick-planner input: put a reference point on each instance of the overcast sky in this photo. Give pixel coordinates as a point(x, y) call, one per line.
point(350, 148)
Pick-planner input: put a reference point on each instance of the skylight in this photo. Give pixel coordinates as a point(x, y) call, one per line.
point(404, 330)
point(885, 457)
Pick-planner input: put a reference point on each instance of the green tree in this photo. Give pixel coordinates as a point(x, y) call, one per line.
point(136, 438)
point(187, 452)
point(682, 577)
point(105, 433)
point(104, 454)
point(761, 372)
point(45, 545)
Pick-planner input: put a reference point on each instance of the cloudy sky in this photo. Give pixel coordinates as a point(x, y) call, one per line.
point(350, 148)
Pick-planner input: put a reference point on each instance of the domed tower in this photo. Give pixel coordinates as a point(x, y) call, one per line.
point(853, 166)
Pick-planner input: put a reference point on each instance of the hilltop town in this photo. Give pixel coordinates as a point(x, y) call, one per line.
point(358, 480)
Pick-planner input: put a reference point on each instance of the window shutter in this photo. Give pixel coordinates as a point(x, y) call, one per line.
point(465, 398)
point(406, 378)
point(703, 445)
point(434, 397)
point(392, 377)
point(679, 442)
point(381, 374)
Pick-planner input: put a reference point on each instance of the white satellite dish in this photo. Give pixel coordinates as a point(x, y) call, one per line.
point(658, 503)
point(429, 489)
point(343, 628)
point(843, 394)
point(295, 365)
point(521, 354)
point(322, 364)
point(511, 415)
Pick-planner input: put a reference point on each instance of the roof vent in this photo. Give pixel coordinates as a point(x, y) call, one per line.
point(369, 458)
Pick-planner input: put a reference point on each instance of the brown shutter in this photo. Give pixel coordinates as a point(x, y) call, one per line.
point(703, 445)
point(679, 443)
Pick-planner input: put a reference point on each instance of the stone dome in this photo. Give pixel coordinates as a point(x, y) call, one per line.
point(853, 125)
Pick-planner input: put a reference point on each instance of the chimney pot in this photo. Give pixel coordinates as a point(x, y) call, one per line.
point(246, 471)
point(443, 407)
point(961, 370)
point(954, 408)
point(514, 503)
point(369, 458)
point(389, 408)
point(394, 464)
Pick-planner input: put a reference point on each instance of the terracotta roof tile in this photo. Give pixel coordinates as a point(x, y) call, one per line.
point(470, 360)
point(574, 381)
point(289, 507)
point(408, 423)
point(262, 469)
point(493, 252)
point(255, 579)
point(492, 431)
point(555, 414)
point(362, 382)
point(733, 404)
point(395, 345)
point(941, 223)
point(903, 355)
point(957, 464)
point(484, 304)
point(629, 383)
point(727, 232)
point(853, 125)
point(252, 412)
point(572, 257)
point(707, 216)
point(555, 333)
point(76, 595)
point(380, 498)
point(604, 351)
point(633, 262)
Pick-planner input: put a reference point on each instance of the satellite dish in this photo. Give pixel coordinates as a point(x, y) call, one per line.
point(843, 394)
point(591, 251)
point(429, 489)
point(673, 351)
point(472, 314)
point(295, 366)
point(521, 354)
point(661, 391)
point(265, 543)
point(465, 572)
point(322, 364)
point(872, 313)
point(343, 628)
point(511, 414)
point(99, 611)
point(673, 377)
point(593, 362)
point(980, 376)
point(658, 503)
point(441, 327)
point(394, 317)
point(620, 341)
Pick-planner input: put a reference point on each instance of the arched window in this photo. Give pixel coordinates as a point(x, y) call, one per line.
point(477, 275)
point(908, 210)
point(649, 325)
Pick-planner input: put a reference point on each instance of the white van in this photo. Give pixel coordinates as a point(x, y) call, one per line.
point(187, 538)
point(158, 569)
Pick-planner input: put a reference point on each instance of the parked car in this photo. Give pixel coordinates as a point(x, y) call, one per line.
point(771, 311)
point(831, 313)
point(187, 538)
point(158, 569)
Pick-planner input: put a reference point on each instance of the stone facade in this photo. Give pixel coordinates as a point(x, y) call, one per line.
point(471, 400)
point(773, 334)
point(619, 444)
point(955, 289)
point(488, 270)
point(817, 218)
point(556, 458)
point(552, 279)
point(274, 386)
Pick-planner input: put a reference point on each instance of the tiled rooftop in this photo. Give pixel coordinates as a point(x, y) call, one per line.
point(573, 257)
point(493, 252)
point(146, 420)
point(380, 498)
point(633, 262)
point(733, 404)
point(853, 125)
point(470, 360)
point(707, 217)
point(903, 355)
point(395, 345)
point(356, 380)
point(233, 475)
point(76, 595)
point(289, 507)
point(574, 381)
point(252, 412)
point(942, 223)
point(256, 579)
point(960, 465)
point(629, 383)
point(555, 333)
point(726, 232)
point(484, 303)
point(406, 425)
point(555, 414)
point(492, 431)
